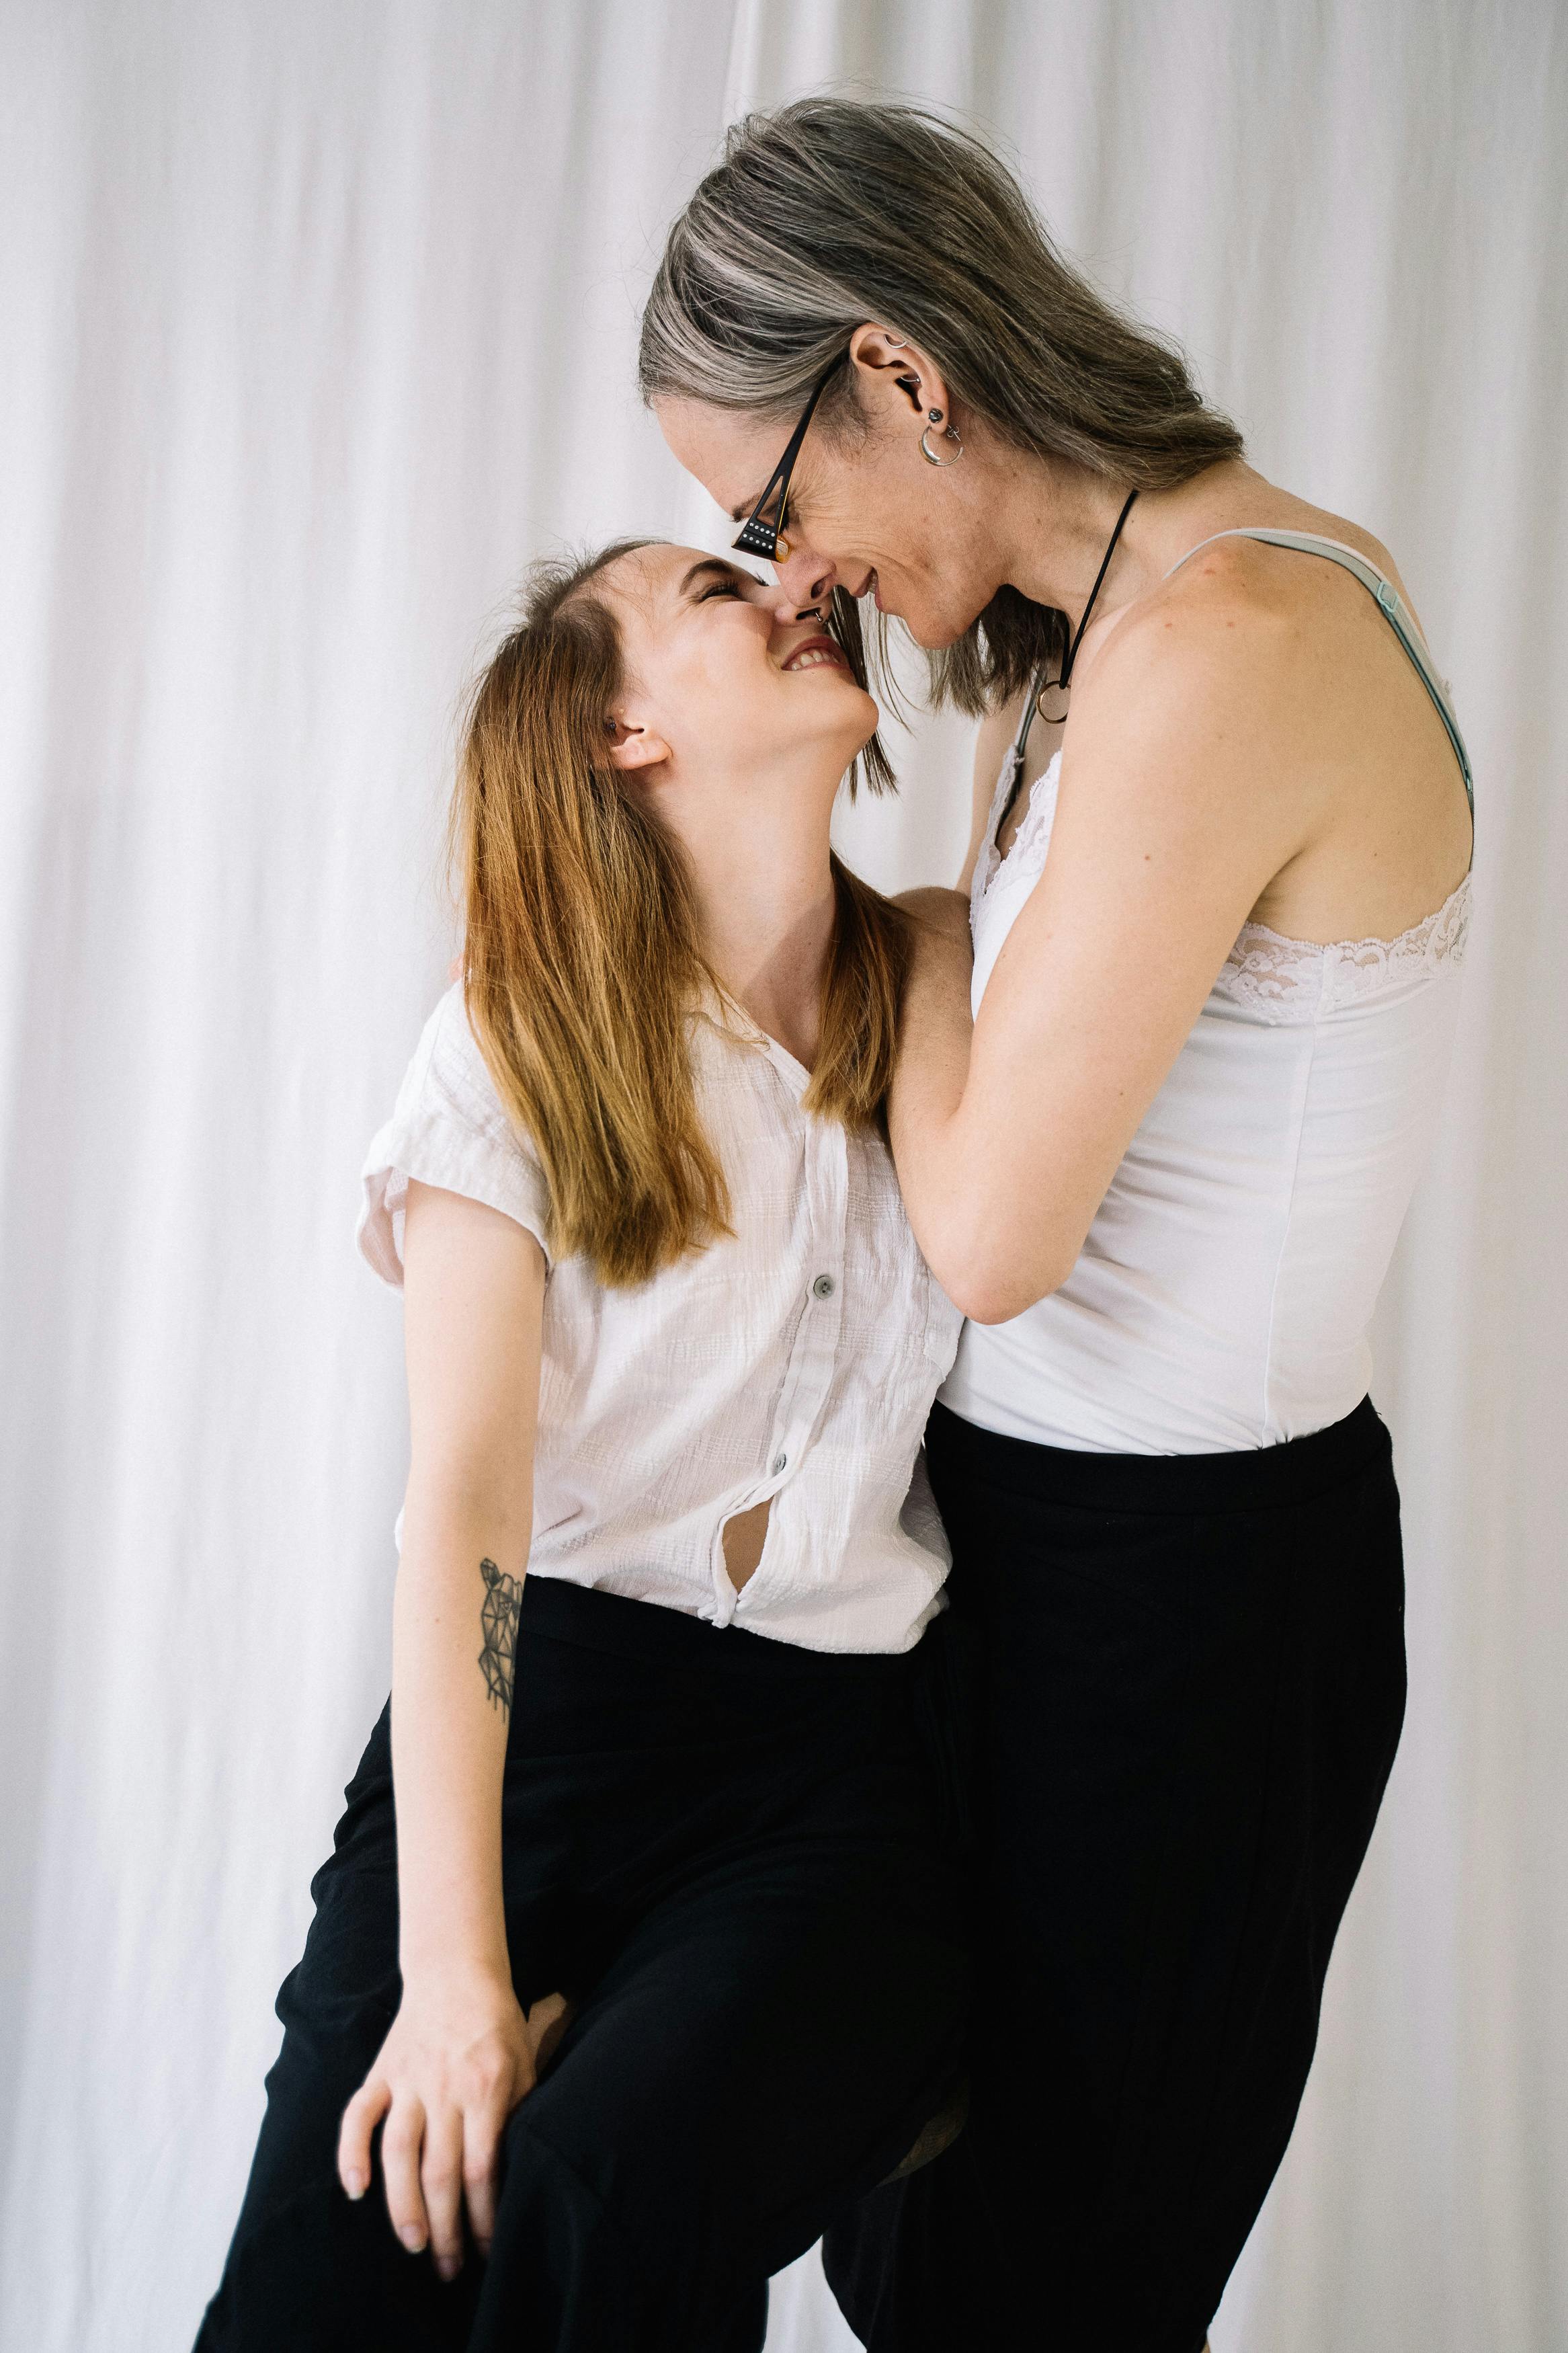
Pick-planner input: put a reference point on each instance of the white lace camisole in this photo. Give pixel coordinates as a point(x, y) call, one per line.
point(1224, 1291)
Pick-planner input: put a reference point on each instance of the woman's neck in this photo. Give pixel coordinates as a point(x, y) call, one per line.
point(1065, 516)
point(766, 909)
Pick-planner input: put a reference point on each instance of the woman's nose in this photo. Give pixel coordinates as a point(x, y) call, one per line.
point(805, 579)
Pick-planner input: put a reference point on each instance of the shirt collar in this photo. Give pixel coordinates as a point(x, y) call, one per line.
point(735, 1026)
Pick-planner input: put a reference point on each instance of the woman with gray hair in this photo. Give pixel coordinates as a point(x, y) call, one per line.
point(1163, 1174)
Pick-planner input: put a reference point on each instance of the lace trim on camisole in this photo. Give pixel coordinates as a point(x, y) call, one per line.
point(1033, 839)
point(1276, 977)
point(1282, 979)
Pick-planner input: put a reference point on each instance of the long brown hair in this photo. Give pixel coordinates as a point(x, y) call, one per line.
point(832, 212)
point(584, 964)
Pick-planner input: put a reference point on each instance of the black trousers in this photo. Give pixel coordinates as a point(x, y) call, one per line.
point(1192, 1680)
point(736, 1856)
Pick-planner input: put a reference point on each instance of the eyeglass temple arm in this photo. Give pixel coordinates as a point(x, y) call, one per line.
point(757, 537)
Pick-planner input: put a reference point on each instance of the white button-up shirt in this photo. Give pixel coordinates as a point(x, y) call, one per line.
point(794, 1362)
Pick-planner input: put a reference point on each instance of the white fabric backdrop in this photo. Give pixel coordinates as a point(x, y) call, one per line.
point(316, 323)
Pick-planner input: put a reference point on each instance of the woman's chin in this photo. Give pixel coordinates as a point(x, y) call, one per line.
point(872, 714)
point(932, 632)
point(849, 696)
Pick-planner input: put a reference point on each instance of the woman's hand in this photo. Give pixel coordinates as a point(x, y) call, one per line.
point(458, 2057)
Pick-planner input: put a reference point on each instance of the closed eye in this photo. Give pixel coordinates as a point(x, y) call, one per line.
point(722, 579)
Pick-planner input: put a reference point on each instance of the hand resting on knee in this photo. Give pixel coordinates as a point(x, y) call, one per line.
point(456, 2060)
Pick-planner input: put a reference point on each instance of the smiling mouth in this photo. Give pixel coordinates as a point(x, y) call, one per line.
point(816, 652)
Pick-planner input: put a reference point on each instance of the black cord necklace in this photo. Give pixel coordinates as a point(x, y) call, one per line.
point(1059, 685)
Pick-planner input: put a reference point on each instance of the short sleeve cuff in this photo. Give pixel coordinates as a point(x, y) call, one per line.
point(449, 1129)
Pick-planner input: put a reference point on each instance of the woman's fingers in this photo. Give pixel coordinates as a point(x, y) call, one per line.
point(441, 2092)
point(430, 2167)
point(441, 2178)
point(361, 2118)
point(496, 2083)
point(402, 2139)
point(481, 2145)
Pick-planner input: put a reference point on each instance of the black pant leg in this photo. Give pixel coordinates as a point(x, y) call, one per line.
point(307, 2267)
point(1189, 1719)
point(731, 1856)
point(764, 2049)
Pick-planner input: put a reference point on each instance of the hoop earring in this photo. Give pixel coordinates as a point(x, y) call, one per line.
point(929, 454)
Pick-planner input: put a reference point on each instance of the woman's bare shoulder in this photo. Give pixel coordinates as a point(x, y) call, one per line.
point(1203, 724)
point(1365, 543)
point(946, 912)
point(1233, 597)
point(1281, 511)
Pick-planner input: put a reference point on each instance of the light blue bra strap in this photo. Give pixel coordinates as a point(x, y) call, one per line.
point(1389, 603)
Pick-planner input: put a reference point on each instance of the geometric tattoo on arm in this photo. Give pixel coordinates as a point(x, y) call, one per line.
point(499, 1614)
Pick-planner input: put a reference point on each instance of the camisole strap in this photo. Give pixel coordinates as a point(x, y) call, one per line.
point(1389, 603)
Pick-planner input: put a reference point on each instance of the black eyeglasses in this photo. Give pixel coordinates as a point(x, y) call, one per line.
point(757, 536)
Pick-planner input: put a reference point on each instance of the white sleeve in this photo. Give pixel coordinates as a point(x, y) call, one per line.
point(449, 1128)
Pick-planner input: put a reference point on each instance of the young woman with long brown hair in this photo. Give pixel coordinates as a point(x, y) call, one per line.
point(1219, 901)
point(636, 1956)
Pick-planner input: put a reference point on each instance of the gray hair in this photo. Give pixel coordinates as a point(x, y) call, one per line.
point(831, 213)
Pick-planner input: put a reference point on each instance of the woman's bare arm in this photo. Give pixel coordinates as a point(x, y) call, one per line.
point(474, 1304)
point(459, 2054)
point(1167, 830)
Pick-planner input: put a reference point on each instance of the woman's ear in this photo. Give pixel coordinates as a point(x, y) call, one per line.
point(897, 381)
point(634, 747)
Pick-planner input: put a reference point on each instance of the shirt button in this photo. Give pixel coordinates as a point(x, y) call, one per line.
point(781, 1462)
point(824, 1287)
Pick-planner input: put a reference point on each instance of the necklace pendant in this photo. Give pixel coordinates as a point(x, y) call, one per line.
point(1051, 703)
